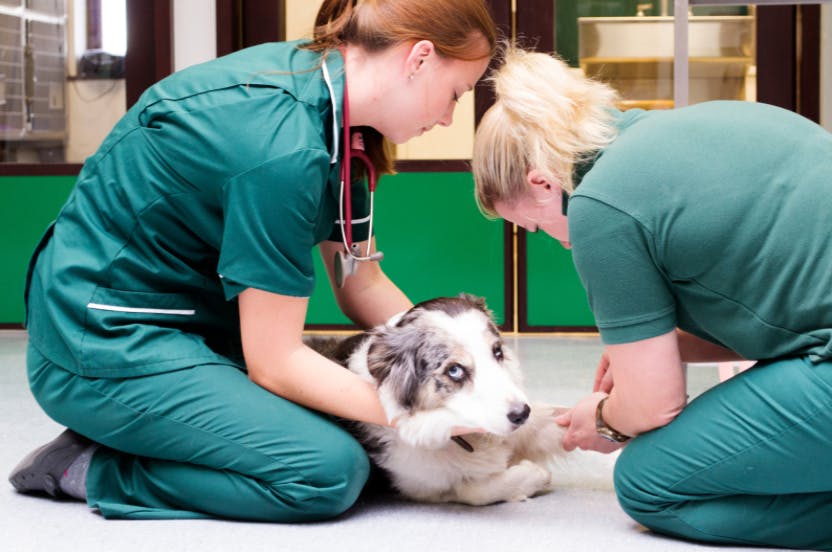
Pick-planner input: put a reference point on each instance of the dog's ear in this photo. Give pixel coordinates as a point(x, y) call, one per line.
point(395, 361)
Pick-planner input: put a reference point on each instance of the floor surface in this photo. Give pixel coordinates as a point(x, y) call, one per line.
point(581, 515)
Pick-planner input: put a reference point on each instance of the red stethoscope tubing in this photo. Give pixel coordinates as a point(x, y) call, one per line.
point(346, 173)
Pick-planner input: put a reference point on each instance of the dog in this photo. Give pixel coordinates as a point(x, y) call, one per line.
point(442, 367)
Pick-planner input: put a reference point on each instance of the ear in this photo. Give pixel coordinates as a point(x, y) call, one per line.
point(541, 185)
point(419, 53)
point(392, 360)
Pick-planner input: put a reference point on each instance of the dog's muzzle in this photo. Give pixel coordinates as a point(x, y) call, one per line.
point(519, 413)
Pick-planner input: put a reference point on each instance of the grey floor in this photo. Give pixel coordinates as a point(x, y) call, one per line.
point(581, 515)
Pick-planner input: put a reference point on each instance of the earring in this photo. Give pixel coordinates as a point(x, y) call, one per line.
point(411, 76)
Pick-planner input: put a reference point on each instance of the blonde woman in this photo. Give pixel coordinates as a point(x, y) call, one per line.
point(167, 303)
point(700, 234)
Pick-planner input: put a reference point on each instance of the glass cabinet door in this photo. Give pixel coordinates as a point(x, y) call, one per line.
point(630, 45)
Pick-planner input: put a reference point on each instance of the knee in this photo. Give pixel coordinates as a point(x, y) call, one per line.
point(329, 483)
point(638, 484)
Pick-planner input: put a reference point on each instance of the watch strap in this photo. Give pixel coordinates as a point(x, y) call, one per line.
point(604, 429)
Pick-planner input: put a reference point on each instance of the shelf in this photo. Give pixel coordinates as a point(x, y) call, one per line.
point(680, 38)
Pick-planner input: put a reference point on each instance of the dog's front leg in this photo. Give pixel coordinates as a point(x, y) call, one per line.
point(516, 483)
point(429, 429)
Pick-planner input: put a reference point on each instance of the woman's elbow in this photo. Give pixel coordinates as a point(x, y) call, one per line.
point(661, 417)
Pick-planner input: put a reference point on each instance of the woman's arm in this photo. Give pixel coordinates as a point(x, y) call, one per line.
point(648, 392)
point(369, 297)
point(649, 387)
point(271, 326)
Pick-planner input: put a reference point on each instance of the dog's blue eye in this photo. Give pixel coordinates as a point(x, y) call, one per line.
point(498, 351)
point(455, 372)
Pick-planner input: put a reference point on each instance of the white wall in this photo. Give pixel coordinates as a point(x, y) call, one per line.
point(93, 109)
point(194, 32)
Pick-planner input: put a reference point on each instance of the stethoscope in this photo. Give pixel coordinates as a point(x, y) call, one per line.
point(346, 262)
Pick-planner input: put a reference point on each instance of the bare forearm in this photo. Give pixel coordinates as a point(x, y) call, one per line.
point(308, 379)
point(374, 302)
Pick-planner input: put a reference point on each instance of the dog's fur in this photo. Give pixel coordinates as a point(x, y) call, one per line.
point(442, 366)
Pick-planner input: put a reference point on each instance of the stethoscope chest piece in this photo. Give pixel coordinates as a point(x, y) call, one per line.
point(345, 266)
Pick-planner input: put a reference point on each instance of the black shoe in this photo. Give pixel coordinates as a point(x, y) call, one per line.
point(41, 470)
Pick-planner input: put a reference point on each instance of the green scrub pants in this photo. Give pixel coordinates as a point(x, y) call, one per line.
point(202, 442)
point(746, 463)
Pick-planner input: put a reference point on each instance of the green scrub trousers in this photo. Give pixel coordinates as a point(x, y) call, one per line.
point(745, 463)
point(202, 442)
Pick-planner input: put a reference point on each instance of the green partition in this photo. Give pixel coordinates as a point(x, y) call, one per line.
point(555, 298)
point(435, 242)
point(27, 206)
point(434, 239)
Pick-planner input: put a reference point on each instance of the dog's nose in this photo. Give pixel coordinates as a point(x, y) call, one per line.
point(519, 414)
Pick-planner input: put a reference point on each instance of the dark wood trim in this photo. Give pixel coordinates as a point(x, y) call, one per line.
point(535, 24)
point(788, 58)
point(483, 91)
point(263, 21)
point(149, 45)
point(559, 329)
point(244, 23)
point(229, 26)
point(433, 165)
point(776, 55)
point(510, 322)
point(808, 61)
point(11, 326)
point(522, 281)
point(40, 169)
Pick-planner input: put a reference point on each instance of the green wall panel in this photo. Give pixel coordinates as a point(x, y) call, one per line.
point(435, 243)
point(27, 206)
point(555, 296)
point(434, 239)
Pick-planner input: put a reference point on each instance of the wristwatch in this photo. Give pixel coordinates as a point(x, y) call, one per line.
point(604, 429)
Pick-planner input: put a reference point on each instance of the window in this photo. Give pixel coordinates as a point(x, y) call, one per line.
point(61, 77)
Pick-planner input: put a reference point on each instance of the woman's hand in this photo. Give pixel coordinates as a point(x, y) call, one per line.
point(603, 374)
point(580, 427)
point(646, 392)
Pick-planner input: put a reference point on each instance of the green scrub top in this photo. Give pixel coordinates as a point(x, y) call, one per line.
point(223, 176)
point(714, 218)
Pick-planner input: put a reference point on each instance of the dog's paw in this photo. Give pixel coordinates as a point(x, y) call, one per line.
point(423, 430)
point(527, 479)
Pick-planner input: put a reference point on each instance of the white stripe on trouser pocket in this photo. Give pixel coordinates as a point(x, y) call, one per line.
point(116, 308)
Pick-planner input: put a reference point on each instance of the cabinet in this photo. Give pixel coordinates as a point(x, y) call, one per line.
point(32, 72)
point(681, 36)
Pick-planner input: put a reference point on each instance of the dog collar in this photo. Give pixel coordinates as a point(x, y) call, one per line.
point(462, 442)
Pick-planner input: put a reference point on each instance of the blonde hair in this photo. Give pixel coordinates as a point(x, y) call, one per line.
point(546, 117)
point(458, 29)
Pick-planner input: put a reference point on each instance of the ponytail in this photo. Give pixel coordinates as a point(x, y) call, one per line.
point(546, 117)
point(330, 24)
